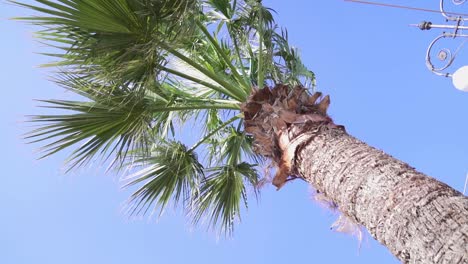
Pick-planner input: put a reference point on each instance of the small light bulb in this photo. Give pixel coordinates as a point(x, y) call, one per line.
point(460, 79)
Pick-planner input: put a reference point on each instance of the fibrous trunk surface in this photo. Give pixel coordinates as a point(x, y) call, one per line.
point(419, 219)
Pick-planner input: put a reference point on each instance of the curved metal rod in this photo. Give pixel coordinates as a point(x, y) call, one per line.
point(449, 17)
point(429, 63)
point(458, 2)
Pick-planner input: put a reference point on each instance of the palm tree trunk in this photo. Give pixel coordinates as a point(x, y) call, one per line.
point(419, 219)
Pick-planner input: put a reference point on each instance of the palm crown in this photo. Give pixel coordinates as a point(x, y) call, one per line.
point(143, 69)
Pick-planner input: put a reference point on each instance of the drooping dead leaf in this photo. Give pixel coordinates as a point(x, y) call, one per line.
point(314, 97)
point(324, 104)
point(269, 116)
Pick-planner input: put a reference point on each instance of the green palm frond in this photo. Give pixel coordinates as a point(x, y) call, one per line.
point(235, 146)
point(114, 124)
point(115, 119)
point(221, 194)
point(142, 68)
point(286, 64)
point(204, 66)
point(169, 172)
point(121, 37)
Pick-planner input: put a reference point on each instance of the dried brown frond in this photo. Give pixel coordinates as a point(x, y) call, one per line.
point(281, 119)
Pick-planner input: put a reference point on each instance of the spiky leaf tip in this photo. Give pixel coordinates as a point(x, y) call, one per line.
point(221, 194)
point(169, 173)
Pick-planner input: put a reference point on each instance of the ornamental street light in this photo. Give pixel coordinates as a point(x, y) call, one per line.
point(445, 55)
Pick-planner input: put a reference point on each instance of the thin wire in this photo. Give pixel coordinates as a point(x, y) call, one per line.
point(405, 7)
point(460, 47)
point(466, 184)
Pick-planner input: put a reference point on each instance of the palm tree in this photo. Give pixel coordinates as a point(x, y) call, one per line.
point(145, 70)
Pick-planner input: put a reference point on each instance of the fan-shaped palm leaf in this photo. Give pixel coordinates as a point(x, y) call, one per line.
point(146, 66)
point(170, 171)
point(221, 194)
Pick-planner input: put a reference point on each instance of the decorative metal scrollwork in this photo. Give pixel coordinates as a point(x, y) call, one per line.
point(445, 55)
point(451, 16)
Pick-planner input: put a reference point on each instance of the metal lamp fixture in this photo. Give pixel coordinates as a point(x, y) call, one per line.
point(445, 55)
point(460, 79)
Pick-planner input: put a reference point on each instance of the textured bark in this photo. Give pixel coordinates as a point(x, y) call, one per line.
point(419, 219)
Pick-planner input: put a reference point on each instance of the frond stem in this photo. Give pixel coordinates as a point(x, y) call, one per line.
point(198, 106)
point(223, 55)
point(193, 79)
point(230, 89)
point(244, 73)
point(260, 49)
point(223, 125)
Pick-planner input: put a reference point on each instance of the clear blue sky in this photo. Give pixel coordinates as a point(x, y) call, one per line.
point(365, 57)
